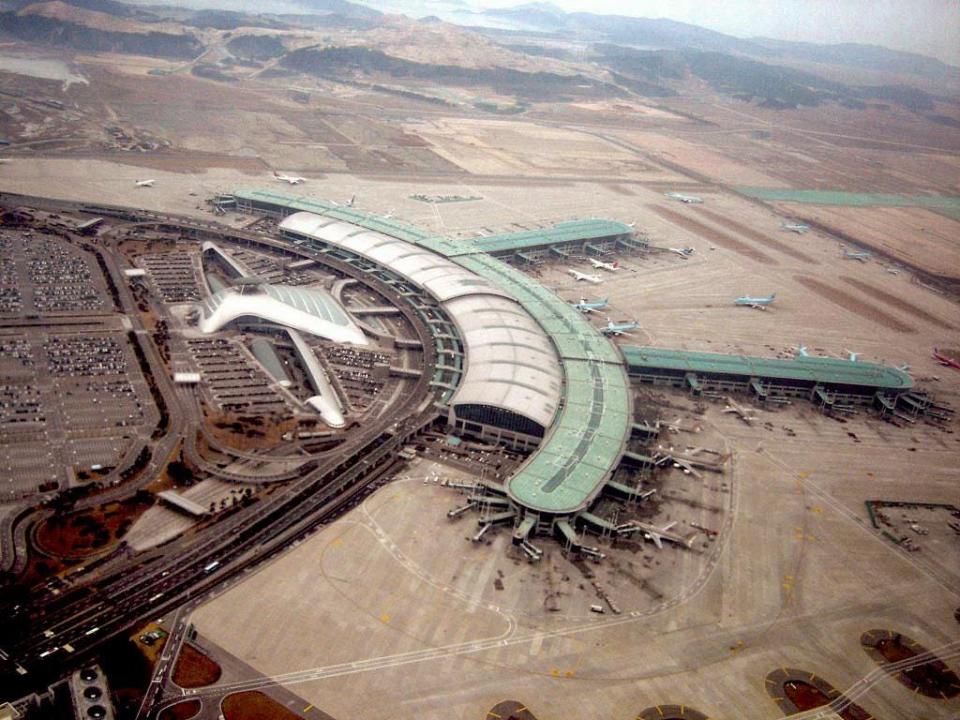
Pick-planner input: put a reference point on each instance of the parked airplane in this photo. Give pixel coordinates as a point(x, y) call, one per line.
point(746, 414)
point(798, 228)
point(945, 360)
point(861, 256)
point(600, 265)
point(579, 276)
point(851, 355)
point(689, 463)
point(757, 303)
point(685, 253)
point(144, 183)
point(353, 199)
point(693, 199)
point(613, 328)
point(588, 306)
point(802, 351)
point(292, 179)
point(659, 534)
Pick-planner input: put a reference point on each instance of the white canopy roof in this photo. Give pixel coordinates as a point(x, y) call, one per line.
point(510, 362)
point(442, 278)
point(310, 310)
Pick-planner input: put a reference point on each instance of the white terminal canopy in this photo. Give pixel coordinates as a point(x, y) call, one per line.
point(510, 363)
point(309, 310)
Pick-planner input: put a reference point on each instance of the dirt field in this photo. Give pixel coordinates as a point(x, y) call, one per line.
point(712, 235)
point(89, 532)
point(255, 706)
point(698, 157)
point(853, 304)
point(509, 147)
point(743, 230)
point(194, 669)
point(920, 237)
point(900, 304)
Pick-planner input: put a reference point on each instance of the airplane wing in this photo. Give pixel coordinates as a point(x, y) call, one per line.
point(656, 540)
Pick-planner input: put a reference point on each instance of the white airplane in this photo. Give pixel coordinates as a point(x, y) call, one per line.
point(579, 276)
point(745, 414)
point(600, 265)
point(802, 351)
point(757, 303)
point(690, 199)
point(798, 228)
point(685, 253)
point(659, 534)
point(349, 203)
point(144, 183)
point(851, 355)
point(861, 256)
point(675, 427)
point(656, 534)
point(588, 306)
point(613, 328)
point(292, 179)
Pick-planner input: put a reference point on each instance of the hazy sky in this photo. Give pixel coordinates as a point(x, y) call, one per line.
point(930, 27)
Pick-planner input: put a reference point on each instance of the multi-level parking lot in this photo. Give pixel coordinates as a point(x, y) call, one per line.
point(233, 382)
point(354, 370)
point(174, 275)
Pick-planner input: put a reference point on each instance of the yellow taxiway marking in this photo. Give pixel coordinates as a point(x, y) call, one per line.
point(308, 708)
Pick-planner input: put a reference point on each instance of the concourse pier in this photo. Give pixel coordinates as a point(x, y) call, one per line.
point(833, 384)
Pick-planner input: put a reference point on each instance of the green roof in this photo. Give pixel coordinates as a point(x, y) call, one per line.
point(586, 440)
point(569, 231)
point(584, 445)
point(852, 199)
point(829, 371)
point(388, 226)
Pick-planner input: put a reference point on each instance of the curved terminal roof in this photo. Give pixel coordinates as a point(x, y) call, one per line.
point(510, 361)
point(310, 310)
point(436, 274)
point(828, 371)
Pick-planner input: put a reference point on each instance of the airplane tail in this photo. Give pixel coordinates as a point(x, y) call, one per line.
point(616, 263)
point(275, 174)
